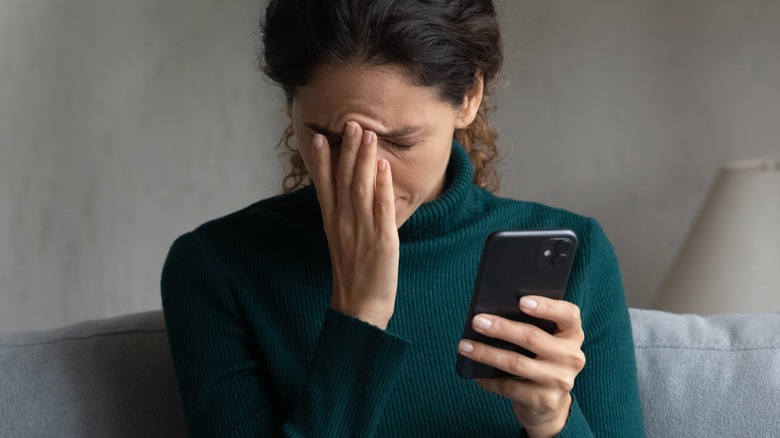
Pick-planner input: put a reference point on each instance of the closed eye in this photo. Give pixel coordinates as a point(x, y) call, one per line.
point(399, 146)
point(334, 138)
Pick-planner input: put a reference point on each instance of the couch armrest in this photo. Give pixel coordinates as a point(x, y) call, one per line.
point(105, 378)
point(708, 376)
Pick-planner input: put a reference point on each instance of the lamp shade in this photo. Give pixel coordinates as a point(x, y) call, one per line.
point(730, 261)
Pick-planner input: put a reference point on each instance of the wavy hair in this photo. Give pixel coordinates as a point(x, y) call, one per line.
point(444, 44)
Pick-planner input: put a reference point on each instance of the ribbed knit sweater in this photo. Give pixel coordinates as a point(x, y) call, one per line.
point(258, 351)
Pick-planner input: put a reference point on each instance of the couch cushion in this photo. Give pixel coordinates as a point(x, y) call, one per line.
point(698, 376)
point(708, 376)
point(106, 378)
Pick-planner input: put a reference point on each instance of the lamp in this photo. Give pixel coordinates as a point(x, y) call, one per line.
point(730, 261)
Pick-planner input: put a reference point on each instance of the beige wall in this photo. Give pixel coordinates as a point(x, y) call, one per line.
point(124, 124)
point(624, 110)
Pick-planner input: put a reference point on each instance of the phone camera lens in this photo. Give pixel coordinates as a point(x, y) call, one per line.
point(563, 245)
point(559, 260)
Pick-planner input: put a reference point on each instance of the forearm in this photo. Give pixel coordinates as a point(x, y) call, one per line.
point(353, 368)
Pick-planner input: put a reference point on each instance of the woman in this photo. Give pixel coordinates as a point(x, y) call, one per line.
point(336, 308)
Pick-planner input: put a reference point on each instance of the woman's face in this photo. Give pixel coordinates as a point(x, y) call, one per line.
point(414, 127)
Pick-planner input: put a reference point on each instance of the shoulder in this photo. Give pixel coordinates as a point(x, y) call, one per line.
point(286, 221)
point(521, 214)
point(595, 252)
point(296, 210)
point(294, 207)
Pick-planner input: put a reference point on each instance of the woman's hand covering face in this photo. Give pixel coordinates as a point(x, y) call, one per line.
point(358, 212)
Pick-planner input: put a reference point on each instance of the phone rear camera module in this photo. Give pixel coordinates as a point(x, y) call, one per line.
point(563, 245)
point(555, 252)
point(560, 260)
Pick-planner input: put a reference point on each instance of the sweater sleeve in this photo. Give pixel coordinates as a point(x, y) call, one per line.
point(605, 395)
point(224, 381)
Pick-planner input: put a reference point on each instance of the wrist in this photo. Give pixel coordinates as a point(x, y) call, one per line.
point(553, 425)
point(375, 317)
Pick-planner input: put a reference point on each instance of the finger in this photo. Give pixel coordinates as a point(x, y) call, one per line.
point(511, 362)
point(345, 171)
point(524, 335)
point(564, 314)
point(384, 203)
point(364, 180)
point(322, 174)
point(559, 349)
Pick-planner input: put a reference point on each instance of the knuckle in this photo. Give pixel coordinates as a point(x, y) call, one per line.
point(517, 365)
point(565, 384)
point(534, 339)
point(580, 337)
point(343, 177)
point(547, 401)
point(545, 306)
point(359, 190)
point(563, 380)
point(578, 360)
point(498, 328)
point(383, 206)
point(575, 314)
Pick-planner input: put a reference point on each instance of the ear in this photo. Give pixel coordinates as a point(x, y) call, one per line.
point(471, 102)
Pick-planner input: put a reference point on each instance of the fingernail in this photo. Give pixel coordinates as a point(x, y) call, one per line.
point(482, 322)
point(367, 137)
point(318, 141)
point(382, 165)
point(466, 347)
point(351, 129)
point(528, 303)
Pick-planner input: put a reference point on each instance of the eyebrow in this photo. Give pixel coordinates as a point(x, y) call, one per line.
point(395, 133)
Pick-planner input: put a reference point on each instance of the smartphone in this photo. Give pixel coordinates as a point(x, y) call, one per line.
point(514, 264)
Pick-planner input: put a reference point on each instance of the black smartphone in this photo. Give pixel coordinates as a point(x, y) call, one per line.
point(514, 264)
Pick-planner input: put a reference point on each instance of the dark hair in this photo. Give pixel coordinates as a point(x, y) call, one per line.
point(444, 44)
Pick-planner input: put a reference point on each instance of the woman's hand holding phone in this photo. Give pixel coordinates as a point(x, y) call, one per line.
point(541, 386)
point(358, 213)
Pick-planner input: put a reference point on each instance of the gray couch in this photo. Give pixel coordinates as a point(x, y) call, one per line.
point(715, 376)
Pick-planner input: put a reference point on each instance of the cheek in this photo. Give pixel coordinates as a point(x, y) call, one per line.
point(418, 175)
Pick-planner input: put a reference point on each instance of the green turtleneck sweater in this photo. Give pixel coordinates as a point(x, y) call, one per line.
point(258, 352)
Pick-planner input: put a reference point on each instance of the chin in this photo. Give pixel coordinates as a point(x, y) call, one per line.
point(404, 214)
point(402, 217)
